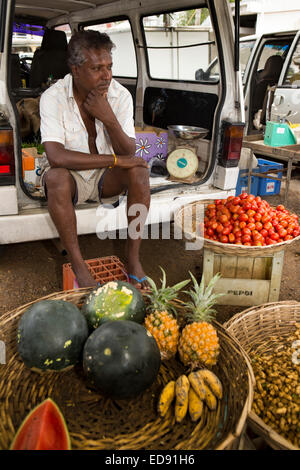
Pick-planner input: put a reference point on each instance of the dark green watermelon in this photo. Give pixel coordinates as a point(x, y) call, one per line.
point(121, 359)
point(115, 300)
point(51, 335)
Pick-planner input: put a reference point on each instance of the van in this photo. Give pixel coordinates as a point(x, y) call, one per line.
point(157, 43)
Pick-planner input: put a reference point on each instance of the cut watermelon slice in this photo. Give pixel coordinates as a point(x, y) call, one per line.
point(44, 428)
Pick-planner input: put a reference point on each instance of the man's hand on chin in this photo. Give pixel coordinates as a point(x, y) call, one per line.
point(97, 105)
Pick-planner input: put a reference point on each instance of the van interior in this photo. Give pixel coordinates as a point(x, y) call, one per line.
point(169, 95)
point(263, 79)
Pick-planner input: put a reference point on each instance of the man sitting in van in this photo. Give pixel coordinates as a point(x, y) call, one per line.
point(88, 133)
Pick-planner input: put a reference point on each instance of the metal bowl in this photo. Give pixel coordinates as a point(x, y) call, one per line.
point(188, 132)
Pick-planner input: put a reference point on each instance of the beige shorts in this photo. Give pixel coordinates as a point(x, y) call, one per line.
point(88, 191)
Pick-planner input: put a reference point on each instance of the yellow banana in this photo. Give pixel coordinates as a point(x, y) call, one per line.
point(210, 399)
point(182, 387)
point(213, 382)
point(197, 384)
point(166, 397)
point(195, 405)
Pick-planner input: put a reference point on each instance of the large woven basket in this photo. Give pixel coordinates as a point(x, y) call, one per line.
point(95, 422)
point(258, 329)
point(187, 220)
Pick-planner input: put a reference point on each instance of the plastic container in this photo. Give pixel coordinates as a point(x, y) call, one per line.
point(242, 183)
point(267, 186)
point(103, 270)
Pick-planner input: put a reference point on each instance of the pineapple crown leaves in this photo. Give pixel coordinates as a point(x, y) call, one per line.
point(161, 297)
point(200, 308)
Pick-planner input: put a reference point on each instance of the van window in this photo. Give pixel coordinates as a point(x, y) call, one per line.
point(179, 44)
point(271, 48)
point(292, 76)
point(124, 58)
point(245, 52)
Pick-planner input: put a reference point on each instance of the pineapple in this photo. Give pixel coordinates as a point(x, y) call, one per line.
point(161, 319)
point(199, 343)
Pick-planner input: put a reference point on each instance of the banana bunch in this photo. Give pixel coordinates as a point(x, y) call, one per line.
point(190, 393)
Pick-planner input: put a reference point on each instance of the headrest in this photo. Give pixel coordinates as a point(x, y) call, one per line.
point(272, 67)
point(54, 39)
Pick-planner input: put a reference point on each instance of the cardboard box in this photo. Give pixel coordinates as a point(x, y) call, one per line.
point(151, 142)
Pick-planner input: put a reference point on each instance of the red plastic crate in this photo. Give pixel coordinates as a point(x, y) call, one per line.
point(106, 269)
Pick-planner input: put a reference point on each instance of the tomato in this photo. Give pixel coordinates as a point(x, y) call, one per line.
point(209, 232)
point(296, 232)
point(243, 195)
point(237, 233)
point(251, 226)
point(243, 224)
point(251, 213)
point(268, 225)
point(282, 233)
point(274, 236)
point(235, 216)
point(246, 231)
point(246, 238)
point(250, 198)
point(257, 216)
point(219, 228)
point(218, 201)
point(264, 232)
point(236, 200)
point(258, 226)
point(258, 243)
point(280, 207)
point(211, 206)
point(247, 206)
point(247, 244)
point(258, 199)
point(224, 239)
point(231, 238)
point(226, 231)
point(223, 218)
point(284, 223)
point(288, 237)
point(265, 218)
point(243, 217)
point(230, 198)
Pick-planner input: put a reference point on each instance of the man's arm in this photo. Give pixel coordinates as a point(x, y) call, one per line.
point(98, 106)
point(59, 157)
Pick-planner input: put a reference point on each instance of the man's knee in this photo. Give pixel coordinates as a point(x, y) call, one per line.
point(59, 180)
point(138, 175)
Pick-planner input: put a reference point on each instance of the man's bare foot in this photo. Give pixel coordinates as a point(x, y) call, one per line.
point(83, 276)
point(136, 269)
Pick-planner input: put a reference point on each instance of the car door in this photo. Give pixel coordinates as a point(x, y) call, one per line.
point(286, 103)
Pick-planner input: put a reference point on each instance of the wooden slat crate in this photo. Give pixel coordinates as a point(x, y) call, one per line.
point(245, 281)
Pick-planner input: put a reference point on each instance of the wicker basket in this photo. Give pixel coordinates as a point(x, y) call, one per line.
point(96, 422)
point(255, 329)
point(186, 220)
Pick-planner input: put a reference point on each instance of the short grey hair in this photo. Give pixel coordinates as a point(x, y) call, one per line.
point(84, 40)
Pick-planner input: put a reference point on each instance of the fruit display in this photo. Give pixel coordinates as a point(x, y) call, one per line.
point(161, 320)
point(115, 300)
point(277, 392)
point(250, 221)
point(199, 344)
point(51, 335)
point(121, 359)
point(190, 394)
point(44, 428)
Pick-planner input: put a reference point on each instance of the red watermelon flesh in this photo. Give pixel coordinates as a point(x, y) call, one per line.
point(44, 428)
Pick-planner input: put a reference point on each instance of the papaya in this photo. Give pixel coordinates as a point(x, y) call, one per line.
point(44, 428)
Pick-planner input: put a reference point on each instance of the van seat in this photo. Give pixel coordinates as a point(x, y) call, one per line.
point(50, 59)
point(267, 77)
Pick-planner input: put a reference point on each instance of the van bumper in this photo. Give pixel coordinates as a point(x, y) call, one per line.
point(36, 224)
